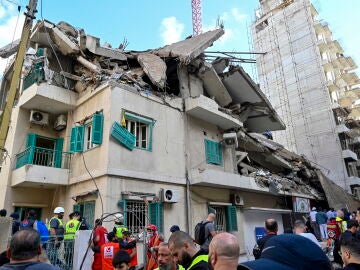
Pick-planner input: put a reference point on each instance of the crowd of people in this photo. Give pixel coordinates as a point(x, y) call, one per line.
point(297, 248)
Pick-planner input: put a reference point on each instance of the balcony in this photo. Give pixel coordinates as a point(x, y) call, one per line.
point(41, 167)
point(330, 45)
point(46, 97)
point(344, 63)
point(207, 110)
point(322, 28)
point(347, 79)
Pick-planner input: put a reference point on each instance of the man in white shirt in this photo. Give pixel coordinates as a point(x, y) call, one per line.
point(314, 224)
point(300, 229)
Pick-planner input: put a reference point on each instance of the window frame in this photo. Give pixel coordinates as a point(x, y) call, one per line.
point(134, 124)
point(88, 130)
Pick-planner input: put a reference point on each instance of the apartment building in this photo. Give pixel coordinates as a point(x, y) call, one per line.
point(162, 136)
point(311, 84)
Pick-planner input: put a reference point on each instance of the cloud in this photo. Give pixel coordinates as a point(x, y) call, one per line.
point(8, 22)
point(239, 17)
point(171, 30)
point(229, 33)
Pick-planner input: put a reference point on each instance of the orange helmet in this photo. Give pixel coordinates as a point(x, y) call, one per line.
point(151, 227)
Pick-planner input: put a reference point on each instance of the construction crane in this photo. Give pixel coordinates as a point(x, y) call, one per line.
point(15, 78)
point(196, 17)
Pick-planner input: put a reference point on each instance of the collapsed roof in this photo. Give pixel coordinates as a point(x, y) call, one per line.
point(78, 62)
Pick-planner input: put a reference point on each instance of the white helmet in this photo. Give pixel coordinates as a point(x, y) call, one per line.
point(119, 218)
point(59, 210)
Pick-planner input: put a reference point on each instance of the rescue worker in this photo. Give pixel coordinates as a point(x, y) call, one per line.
point(185, 253)
point(119, 227)
point(153, 241)
point(71, 227)
point(165, 260)
point(131, 251)
point(56, 229)
point(108, 251)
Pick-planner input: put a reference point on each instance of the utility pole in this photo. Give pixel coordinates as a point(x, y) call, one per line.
point(15, 78)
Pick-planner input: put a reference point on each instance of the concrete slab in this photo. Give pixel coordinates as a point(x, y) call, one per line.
point(154, 67)
point(93, 45)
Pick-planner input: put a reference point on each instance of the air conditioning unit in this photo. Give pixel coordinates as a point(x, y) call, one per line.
point(60, 122)
point(39, 118)
point(236, 199)
point(230, 139)
point(170, 195)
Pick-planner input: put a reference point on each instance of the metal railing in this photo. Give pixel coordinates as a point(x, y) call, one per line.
point(60, 254)
point(43, 157)
point(36, 75)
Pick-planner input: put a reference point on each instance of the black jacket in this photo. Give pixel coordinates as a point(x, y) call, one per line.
point(352, 266)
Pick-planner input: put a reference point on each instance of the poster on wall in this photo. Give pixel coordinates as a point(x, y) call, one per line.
point(259, 232)
point(301, 205)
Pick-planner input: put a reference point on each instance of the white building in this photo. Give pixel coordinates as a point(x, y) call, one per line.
point(311, 84)
point(162, 136)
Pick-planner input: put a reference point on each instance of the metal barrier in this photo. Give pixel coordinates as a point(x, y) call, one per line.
point(43, 157)
point(60, 254)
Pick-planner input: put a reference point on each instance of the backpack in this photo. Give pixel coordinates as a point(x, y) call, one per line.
point(200, 236)
point(333, 229)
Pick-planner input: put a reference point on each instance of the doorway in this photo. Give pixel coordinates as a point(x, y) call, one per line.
point(24, 210)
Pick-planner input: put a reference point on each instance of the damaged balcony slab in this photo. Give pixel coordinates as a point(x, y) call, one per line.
point(154, 67)
point(213, 85)
point(48, 98)
point(93, 45)
point(188, 49)
point(9, 49)
point(206, 109)
point(349, 155)
point(243, 90)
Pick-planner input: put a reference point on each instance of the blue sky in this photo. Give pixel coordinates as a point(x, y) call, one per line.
point(150, 24)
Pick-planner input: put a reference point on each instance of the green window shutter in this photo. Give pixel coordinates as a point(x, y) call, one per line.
point(122, 208)
point(89, 213)
point(150, 137)
point(77, 139)
point(58, 152)
point(231, 219)
point(123, 136)
point(97, 128)
point(213, 152)
point(156, 210)
point(31, 142)
point(76, 207)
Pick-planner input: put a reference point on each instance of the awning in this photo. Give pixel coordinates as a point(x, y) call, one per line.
point(336, 196)
point(273, 210)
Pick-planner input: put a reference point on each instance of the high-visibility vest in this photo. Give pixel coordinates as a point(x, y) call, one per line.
point(119, 229)
point(71, 228)
point(60, 222)
point(198, 259)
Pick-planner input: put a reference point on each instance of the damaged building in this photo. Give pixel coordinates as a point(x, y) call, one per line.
point(164, 134)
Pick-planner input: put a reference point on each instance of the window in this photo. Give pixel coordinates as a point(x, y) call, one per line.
point(136, 213)
point(141, 128)
point(226, 219)
point(88, 144)
point(86, 210)
point(87, 136)
point(213, 152)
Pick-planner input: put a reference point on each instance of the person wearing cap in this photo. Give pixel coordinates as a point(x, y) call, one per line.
point(56, 229)
point(289, 252)
point(15, 222)
point(224, 251)
point(350, 253)
point(153, 241)
point(174, 228)
point(119, 227)
point(131, 251)
point(185, 252)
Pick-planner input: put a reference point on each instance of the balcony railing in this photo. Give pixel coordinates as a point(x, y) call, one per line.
point(36, 75)
point(43, 157)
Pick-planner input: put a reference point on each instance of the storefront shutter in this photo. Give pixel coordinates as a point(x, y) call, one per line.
point(97, 128)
